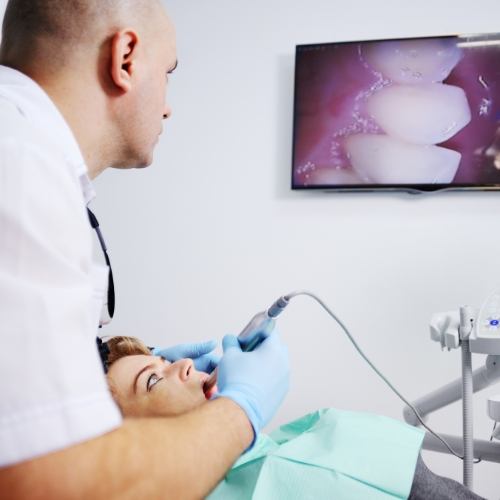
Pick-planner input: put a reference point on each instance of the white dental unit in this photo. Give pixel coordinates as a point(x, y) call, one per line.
point(472, 331)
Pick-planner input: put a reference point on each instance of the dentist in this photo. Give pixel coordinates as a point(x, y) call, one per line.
point(82, 88)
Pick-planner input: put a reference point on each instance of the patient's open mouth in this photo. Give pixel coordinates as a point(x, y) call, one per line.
point(208, 389)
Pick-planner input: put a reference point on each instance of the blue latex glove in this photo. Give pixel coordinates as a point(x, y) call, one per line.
point(204, 359)
point(257, 380)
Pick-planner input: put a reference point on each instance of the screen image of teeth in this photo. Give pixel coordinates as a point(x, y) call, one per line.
point(407, 112)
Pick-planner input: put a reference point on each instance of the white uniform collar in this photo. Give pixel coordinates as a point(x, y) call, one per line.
point(37, 107)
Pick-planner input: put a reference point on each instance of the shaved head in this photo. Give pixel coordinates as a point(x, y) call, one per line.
point(33, 28)
point(105, 64)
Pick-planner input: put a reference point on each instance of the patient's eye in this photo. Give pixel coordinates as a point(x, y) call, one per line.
point(152, 381)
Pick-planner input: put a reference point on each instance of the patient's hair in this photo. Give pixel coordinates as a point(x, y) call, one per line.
point(116, 348)
point(120, 346)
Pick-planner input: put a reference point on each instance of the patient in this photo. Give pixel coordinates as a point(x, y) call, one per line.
point(144, 385)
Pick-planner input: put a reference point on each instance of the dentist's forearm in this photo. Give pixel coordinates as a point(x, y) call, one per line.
point(177, 457)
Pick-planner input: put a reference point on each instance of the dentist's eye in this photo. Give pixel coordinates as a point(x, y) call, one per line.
point(152, 381)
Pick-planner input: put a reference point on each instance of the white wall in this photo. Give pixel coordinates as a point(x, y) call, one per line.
point(211, 233)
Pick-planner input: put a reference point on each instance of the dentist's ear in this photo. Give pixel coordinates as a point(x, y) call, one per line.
point(124, 50)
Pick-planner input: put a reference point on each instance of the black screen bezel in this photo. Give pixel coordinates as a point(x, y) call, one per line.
point(409, 188)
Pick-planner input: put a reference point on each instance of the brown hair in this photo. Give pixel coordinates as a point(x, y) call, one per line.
point(121, 346)
point(117, 348)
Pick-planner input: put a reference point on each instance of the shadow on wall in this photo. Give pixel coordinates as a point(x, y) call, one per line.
point(3, 5)
point(284, 125)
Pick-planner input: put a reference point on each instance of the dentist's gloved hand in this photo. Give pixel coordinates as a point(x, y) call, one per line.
point(201, 354)
point(257, 380)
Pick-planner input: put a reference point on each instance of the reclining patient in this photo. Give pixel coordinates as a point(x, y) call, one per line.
point(326, 454)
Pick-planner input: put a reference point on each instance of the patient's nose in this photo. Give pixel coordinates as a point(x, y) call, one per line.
point(183, 369)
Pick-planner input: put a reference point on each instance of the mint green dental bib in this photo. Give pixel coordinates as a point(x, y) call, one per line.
point(333, 454)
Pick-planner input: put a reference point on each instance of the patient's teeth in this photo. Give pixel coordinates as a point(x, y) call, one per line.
point(333, 177)
point(385, 160)
point(413, 61)
point(422, 114)
point(414, 111)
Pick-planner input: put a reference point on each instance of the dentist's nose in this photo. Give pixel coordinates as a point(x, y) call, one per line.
point(167, 111)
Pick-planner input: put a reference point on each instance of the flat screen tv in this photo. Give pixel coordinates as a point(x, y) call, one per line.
point(419, 114)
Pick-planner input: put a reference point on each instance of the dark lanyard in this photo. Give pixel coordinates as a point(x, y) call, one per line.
point(111, 285)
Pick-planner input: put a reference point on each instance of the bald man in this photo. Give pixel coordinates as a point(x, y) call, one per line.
point(82, 88)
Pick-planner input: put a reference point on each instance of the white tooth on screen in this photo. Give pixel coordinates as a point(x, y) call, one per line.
point(413, 61)
point(333, 176)
point(423, 114)
point(386, 160)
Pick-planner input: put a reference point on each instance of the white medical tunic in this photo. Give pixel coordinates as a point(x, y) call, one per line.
point(53, 392)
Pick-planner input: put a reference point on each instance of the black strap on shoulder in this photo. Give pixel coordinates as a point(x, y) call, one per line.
point(111, 285)
point(103, 349)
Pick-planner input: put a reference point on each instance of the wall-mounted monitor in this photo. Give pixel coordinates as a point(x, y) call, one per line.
point(418, 114)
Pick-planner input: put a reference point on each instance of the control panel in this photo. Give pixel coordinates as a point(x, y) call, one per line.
point(488, 320)
point(485, 337)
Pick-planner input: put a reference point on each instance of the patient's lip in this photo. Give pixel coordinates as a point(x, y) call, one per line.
point(211, 392)
point(208, 390)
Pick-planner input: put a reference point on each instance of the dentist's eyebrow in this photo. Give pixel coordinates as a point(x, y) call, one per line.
point(147, 367)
